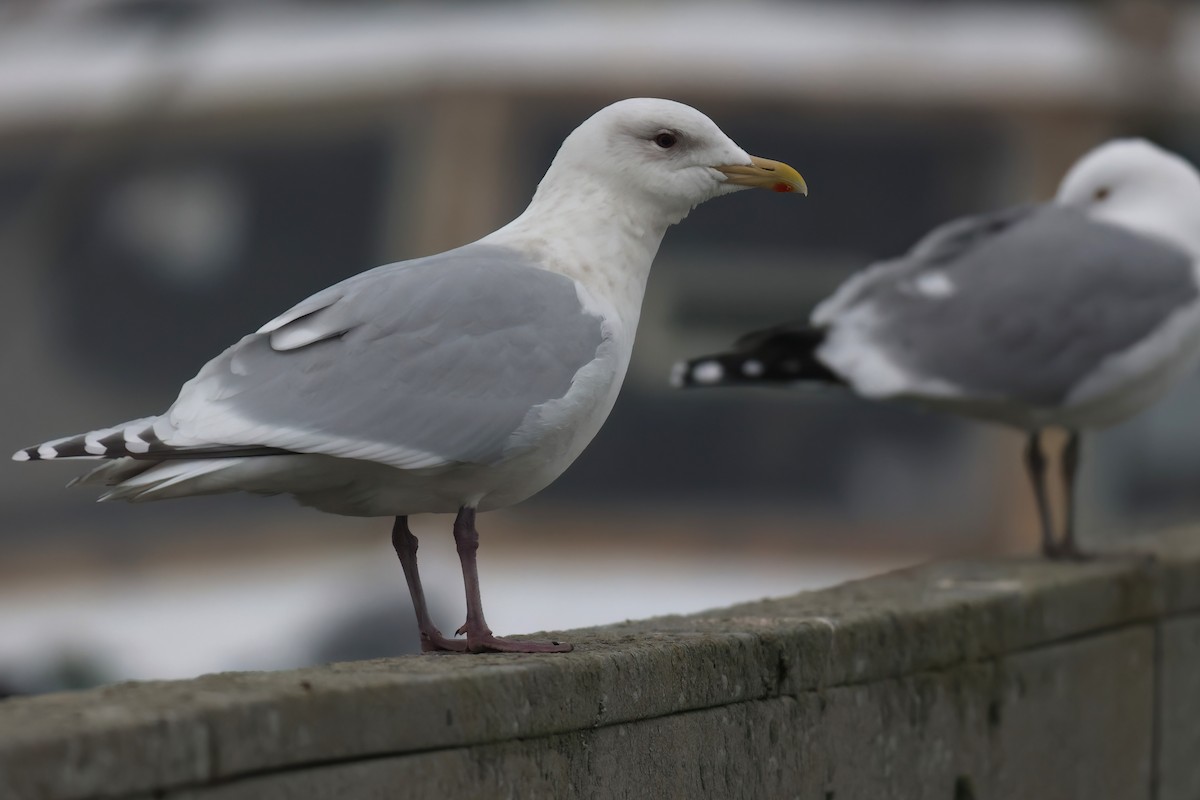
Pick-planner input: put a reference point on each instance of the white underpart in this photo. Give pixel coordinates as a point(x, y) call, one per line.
point(708, 372)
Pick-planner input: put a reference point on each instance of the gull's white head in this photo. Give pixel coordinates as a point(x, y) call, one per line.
point(1138, 185)
point(665, 153)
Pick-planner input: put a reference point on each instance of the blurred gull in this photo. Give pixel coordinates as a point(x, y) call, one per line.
point(458, 382)
point(1077, 313)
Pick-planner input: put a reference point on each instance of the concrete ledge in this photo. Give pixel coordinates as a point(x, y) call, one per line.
point(954, 680)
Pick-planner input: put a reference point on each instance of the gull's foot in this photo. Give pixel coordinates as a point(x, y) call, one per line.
point(483, 641)
point(434, 642)
point(494, 644)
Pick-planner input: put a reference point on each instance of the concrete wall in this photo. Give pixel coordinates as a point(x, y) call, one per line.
point(956, 681)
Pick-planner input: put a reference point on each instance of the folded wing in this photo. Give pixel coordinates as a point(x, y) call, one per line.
point(414, 365)
point(1021, 305)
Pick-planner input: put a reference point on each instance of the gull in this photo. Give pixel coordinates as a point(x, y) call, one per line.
point(1076, 313)
point(459, 382)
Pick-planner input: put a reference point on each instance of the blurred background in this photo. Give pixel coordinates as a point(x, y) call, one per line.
point(173, 173)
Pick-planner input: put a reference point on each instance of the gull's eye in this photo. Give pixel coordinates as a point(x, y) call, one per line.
point(665, 139)
point(1101, 194)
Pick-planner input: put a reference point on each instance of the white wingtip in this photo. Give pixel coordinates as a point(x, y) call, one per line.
point(20, 455)
point(708, 372)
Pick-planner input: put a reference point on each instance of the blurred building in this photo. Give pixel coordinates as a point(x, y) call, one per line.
point(173, 174)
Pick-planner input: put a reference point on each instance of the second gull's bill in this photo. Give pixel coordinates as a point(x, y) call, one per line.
point(459, 382)
point(1075, 314)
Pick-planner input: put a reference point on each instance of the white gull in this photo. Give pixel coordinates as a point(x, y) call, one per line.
point(459, 382)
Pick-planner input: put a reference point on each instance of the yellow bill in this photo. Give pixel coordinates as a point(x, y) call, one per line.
point(763, 173)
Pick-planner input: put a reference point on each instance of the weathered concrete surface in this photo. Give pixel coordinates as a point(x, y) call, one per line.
point(1179, 720)
point(1026, 726)
point(955, 680)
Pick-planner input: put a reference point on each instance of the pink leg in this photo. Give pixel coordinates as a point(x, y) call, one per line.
point(432, 639)
point(479, 635)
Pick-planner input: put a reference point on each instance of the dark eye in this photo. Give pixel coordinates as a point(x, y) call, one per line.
point(1101, 193)
point(665, 139)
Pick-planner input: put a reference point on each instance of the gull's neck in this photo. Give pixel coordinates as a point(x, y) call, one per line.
point(603, 239)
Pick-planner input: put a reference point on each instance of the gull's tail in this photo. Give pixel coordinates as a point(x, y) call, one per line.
point(139, 466)
point(785, 354)
point(134, 439)
point(126, 439)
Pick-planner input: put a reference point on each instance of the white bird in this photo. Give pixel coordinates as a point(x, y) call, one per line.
point(1076, 314)
point(459, 382)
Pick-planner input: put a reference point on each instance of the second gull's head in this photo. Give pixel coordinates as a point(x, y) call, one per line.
point(1137, 185)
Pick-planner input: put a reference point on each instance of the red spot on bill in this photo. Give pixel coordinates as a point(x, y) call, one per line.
point(783, 187)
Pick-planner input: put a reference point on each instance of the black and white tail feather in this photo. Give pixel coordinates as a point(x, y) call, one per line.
point(784, 354)
point(132, 450)
point(133, 439)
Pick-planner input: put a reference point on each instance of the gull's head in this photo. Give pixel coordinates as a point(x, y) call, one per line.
point(664, 153)
point(1138, 185)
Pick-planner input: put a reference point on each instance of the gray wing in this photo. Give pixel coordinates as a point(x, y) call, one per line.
point(1022, 304)
point(415, 364)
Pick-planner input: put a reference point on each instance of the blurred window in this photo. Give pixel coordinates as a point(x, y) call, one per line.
point(206, 242)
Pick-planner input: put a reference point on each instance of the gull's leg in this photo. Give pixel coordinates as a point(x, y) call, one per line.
point(1070, 469)
point(479, 636)
point(406, 548)
point(1035, 463)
